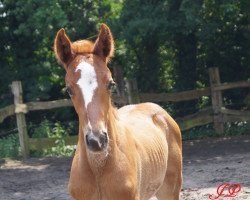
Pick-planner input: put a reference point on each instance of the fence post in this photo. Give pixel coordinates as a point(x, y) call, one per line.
point(20, 117)
point(119, 79)
point(216, 96)
point(132, 90)
point(120, 89)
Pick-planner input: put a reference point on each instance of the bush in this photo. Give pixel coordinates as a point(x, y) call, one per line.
point(56, 131)
point(237, 128)
point(231, 129)
point(10, 147)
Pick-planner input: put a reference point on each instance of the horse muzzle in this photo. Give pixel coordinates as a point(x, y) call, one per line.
point(96, 141)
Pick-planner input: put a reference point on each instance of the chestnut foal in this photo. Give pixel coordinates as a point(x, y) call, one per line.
point(133, 153)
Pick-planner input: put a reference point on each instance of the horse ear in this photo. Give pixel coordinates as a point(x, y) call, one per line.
point(62, 47)
point(104, 45)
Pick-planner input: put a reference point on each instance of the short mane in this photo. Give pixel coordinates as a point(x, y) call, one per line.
point(82, 46)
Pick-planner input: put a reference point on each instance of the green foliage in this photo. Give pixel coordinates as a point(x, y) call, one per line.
point(40, 131)
point(28, 34)
point(141, 30)
point(197, 35)
point(237, 128)
point(199, 133)
point(224, 42)
point(10, 147)
point(167, 45)
point(56, 131)
point(231, 129)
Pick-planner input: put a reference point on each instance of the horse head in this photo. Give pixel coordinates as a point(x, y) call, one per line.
point(88, 82)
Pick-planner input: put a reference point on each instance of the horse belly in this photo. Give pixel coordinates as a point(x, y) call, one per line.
point(153, 152)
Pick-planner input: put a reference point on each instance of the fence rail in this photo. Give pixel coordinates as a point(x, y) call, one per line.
point(6, 112)
point(200, 118)
point(215, 114)
point(42, 143)
point(175, 97)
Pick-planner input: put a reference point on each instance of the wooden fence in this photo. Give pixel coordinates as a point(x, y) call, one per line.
point(216, 114)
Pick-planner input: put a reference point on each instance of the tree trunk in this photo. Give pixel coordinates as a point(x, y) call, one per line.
point(185, 71)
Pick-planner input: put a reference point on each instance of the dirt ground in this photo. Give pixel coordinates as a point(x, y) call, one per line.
point(207, 164)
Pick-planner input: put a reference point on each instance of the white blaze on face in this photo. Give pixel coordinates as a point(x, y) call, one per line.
point(87, 81)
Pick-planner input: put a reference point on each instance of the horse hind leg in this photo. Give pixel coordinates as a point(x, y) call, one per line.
point(168, 191)
point(171, 187)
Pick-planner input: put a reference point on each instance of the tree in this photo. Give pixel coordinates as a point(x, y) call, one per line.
point(194, 35)
point(141, 23)
point(150, 26)
point(28, 28)
point(28, 37)
point(224, 42)
point(167, 45)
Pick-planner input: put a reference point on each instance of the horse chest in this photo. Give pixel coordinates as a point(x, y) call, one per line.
point(105, 191)
point(107, 186)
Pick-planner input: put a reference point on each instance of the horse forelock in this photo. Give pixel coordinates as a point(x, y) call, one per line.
point(82, 46)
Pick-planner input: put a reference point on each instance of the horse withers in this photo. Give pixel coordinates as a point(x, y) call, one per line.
point(133, 153)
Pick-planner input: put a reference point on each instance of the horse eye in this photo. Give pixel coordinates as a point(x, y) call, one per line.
point(111, 85)
point(69, 91)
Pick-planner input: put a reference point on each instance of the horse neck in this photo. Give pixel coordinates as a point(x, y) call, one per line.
point(112, 123)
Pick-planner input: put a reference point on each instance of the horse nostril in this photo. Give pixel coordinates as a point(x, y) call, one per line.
point(105, 135)
point(87, 140)
point(104, 139)
point(92, 143)
point(96, 142)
